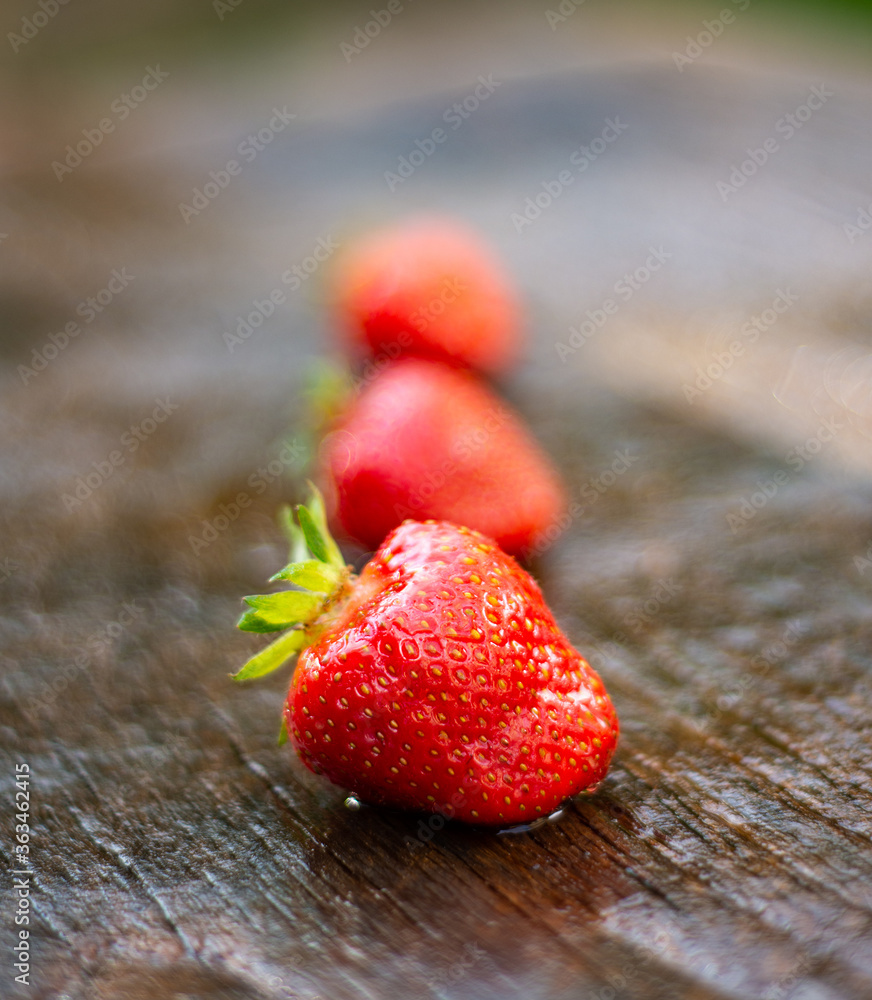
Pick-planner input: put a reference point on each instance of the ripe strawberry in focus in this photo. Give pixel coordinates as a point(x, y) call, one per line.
point(431, 288)
point(424, 440)
point(437, 679)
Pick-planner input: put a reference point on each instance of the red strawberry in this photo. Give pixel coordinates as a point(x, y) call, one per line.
point(428, 287)
point(437, 679)
point(424, 440)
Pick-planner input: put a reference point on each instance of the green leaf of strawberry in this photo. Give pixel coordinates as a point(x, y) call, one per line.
point(279, 611)
point(271, 658)
point(313, 522)
point(298, 549)
point(311, 574)
point(283, 733)
point(323, 580)
point(314, 538)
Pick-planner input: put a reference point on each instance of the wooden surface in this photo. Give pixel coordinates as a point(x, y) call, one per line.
point(178, 852)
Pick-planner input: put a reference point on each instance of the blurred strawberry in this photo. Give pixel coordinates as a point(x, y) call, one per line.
point(428, 287)
point(425, 440)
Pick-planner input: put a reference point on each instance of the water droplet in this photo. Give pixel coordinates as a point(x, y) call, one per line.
point(353, 803)
point(513, 831)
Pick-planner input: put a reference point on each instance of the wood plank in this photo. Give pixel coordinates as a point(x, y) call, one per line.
point(179, 852)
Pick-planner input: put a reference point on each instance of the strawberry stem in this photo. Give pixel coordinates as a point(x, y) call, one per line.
point(320, 581)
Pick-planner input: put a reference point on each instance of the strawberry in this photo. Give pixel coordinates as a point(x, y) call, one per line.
point(424, 440)
point(428, 287)
point(436, 680)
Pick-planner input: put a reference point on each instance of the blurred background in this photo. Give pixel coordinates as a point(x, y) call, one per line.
point(730, 206)
point(705, 169)
point(121, 120)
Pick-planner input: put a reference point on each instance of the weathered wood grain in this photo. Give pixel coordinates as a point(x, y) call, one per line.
point(179, 853)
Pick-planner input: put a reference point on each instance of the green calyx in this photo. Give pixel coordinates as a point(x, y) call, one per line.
point(321, 578)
